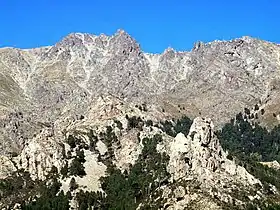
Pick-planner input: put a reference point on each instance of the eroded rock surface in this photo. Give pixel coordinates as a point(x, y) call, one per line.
point(200, 157)
point(86, 82)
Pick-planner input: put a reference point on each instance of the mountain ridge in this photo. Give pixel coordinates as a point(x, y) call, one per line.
point(236, 74)
point(122, 31)
point(92, 109)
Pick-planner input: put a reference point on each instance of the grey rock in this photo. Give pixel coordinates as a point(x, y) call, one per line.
point(84, 79)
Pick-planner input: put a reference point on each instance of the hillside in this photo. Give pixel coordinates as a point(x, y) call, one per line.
point(94, 121)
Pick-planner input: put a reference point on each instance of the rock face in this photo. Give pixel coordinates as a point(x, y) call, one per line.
point(200, 153)
point(62, 81)
point(274, 164)
point(87, 81)
point(199, 156)
point(226, 73)
point(41, 154)
point(6, 167)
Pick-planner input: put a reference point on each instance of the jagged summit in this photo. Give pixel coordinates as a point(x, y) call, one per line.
point(123, 36)
point(229, 72)
point(78, 38)
point(99, 101)
point(122, 32)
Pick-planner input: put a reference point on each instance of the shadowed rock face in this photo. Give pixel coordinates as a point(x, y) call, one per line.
point(50, 84)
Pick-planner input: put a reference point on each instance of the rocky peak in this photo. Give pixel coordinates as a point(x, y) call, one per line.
point(200, 153)
point(199, 158)
point(202, 131)
point(123, 44)
point(197, 46)
point(247, 39)
point(169, 53)
point(73, 39)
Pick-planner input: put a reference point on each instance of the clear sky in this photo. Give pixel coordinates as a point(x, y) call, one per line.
point(155, 24)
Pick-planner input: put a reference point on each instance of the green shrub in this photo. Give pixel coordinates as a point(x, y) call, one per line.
point(50, 198)
point(77, 168)
point(128, 190)
point(71, 140)
point(181, 125)
point(73, 185)
point(250, 144)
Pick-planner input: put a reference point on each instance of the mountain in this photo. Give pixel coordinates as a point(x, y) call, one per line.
point(91, 109)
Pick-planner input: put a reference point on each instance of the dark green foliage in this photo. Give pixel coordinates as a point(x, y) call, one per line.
point(14, 154)
point(264, 173)
point(250, 144)
point(192, 134)
point(53, 171)
point(72, 141)
point(50, 198)
point(180, 125)
point(119, 124)
point(127, 191)
point(76, 167)
point(183, 125)
point(263, 206)
point(90, 199)
point(273, 207)
point(17, 187)
point(7, 186)
point(149, 123)
point(92, 140)
point(134, 122)
point(240, 137)
point(247, 111)
point(144, 106)
point(120, 195)
point(49, 203)
point(262, 111)
point(73, 185)
point(168, 127)
point(64, 170)
point(20, 188)
point(109, 137)
point(80, 156)
point(76, 142)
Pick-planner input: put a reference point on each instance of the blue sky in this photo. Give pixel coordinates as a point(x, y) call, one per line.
point(155, 24)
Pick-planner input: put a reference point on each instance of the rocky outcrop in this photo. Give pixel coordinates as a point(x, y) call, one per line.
point(6, 166)
point(87, 79)
point(274, 164)
point(200, 153)
point(199, 157)
point(225, 73)
point(129, 150)
point(40, 155)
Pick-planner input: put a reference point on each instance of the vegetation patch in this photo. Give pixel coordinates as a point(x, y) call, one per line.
point(127, 190)
point(33, 195)
point(249, 144)
point(172, 128)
